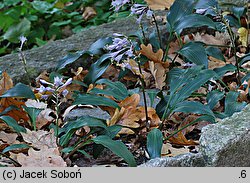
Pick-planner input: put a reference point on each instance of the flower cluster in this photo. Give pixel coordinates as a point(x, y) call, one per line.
point(140, 10)
point(57, 87)
point(117, 4)
point(120, 47)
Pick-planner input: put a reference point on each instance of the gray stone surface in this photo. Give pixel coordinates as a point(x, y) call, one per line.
point(46, 57)
point(95, 112)
point(225, 144)
point(185, 160)
point(228, 142)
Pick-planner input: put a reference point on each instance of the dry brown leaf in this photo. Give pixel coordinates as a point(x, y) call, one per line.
point(46, 157)
point(159, 4)
point(150, 54)
point(132, 101)
point(89, 13)
point(218, 39)
point(180, 139)
point(6, 139)
point(159, 74)
point(35, 104)
point(40, 138)
point(169, 150)
point(215, 63)
point(5, 84)
point(44, 118)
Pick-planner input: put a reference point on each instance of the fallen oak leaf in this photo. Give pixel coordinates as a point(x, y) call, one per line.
point(180, 139)
point(159, 4)
point(89, 13)
point(159, 74)
point(46, 157)
point(40, 138)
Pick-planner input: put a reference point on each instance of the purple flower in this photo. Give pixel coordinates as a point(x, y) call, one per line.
point(58, 81)
point(117, 4)
point(120, 48)
point(140, 10)
point(22, 39)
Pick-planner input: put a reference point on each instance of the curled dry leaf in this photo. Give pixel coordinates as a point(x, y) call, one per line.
point(44, 118)
point(169, 150)
point(180, 139)
point(159, 4)
point(39, 139)
point(133, 116)
point(46, 157)
point(6, 139)
point(159, 74)
point(215, 63)
point(89, 13)
point(243, 36)
point(150, 54)
point(5, 84)
point(35, 104)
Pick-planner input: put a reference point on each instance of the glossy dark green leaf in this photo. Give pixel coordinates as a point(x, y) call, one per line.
point(194, 20)
point(213, 98)
point(162, 105)
point(33, 113)
point(244, 59)
point(70, 127)
point(195, 53)
point(193, 107)
point(239, 11)
point(231, 104)
point(204, 4)
point(179, 9)
point(115, 89)
point(192, 85)
point(97, 47)
point(41, 6)
point(70, 58)
point(223, 70)
point(97, 69)
point(154, 143)
point(12, 123)
point(215, 52)
point(116, 147)
point(89, 99)
point(15, 147)
point(152, 95)
point(19, 90)
point(15, 31)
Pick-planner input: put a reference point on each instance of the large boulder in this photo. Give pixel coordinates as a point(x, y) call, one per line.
point(225, 144)
point(46, 57)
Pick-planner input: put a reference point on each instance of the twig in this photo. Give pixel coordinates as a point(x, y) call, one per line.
point(14, 161)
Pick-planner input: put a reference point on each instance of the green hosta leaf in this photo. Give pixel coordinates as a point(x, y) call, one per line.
point(215, 52)
point(195, 53)
point(15, 31)
point(193, 107)
point(97, 69)
point(115, 89)
point(213, 98)
point(204, 4)
point(152, 95)
point(192, 85)
point(33, 113)
point(223, 70)
point(116, 147)
point(19, 90)
point(244, 59)
point(70, 128)
point(15, 147)
point(66, 22)
point(12, 123)
point(179, 9)
point(42, 6)
point(70, 58)
point(239, 11)
point(231, 104)
point(95, 100)
point(154, 143)
point(194, 20)
point(97, 47)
